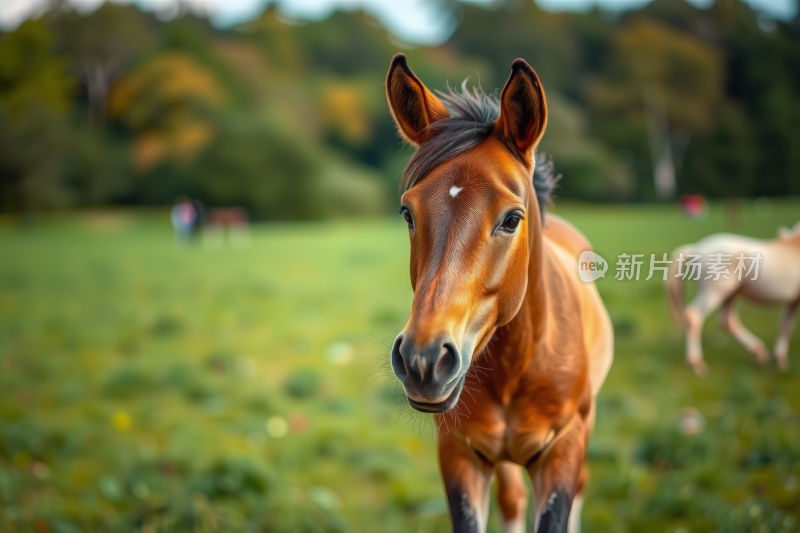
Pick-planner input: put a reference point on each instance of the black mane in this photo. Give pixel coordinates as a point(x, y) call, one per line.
point(472, 117)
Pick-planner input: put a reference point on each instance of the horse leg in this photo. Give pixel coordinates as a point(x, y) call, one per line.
point(577, 502)
point(785, 331)
point(729, 320)
point(466, 481)
point(708, 298)
point(512, 496)
point(557, 480)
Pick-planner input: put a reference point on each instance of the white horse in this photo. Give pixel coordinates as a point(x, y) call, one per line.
point(772, 278)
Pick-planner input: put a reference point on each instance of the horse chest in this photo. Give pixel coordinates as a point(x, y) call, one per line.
point(516, 433)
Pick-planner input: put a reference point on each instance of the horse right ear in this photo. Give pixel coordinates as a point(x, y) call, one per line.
point(413, 106)
point(523, 109)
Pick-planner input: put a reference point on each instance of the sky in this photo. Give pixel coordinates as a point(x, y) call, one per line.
point(413, 21)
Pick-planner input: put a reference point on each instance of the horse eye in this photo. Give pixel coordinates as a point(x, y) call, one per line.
point(408, 218)
point(511, 223)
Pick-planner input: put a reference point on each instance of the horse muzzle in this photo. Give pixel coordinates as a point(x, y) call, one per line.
point(430, 373)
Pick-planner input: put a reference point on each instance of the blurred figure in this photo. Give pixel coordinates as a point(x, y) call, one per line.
point(200, 216)
point(726, 266)
point(183, 217)
point(693, 205)
point(235, 220)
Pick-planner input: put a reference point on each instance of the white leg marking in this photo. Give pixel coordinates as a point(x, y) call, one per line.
point(517, 526)
point(575, 515)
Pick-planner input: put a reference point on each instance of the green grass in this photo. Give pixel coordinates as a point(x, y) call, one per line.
point(144, 386)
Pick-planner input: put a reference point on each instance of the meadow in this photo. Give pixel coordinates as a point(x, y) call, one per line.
point(147, 387)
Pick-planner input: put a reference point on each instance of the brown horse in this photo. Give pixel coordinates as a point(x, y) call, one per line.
point(498, 304)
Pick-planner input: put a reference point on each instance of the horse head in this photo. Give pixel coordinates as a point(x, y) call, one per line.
point(473, 222)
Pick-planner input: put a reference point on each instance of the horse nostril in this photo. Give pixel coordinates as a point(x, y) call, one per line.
point(448, 360)
point(398, 364)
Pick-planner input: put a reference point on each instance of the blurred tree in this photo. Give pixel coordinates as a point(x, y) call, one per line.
point(279, 41)
point(167, 104)
point(504, 31)
point(345, 113)
point(186, 101)
point(268, 172)
point(593, 34)
point(680, 15)
point(763, 63)
point(30, 74)
point(647, 54)
point(722, 161)
point(649, 58)
point(100, 45)
point(46, 163)
point(593, 172)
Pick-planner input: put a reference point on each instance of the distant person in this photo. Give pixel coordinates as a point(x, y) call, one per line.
point(200, 216)
point(183, 216)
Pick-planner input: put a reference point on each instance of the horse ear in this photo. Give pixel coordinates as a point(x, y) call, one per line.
point(523, 109)
point(413, 106)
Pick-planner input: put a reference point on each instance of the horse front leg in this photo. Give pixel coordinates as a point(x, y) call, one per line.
point(709, 297)
point(784, 333)
point(730, 322)
point(512, 496)
point(557, 479)
point(466, 481)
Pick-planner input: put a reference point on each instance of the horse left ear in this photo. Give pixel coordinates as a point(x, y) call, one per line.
point(523, 109)
point(413, 106)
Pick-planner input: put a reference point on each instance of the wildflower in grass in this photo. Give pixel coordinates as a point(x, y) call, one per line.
point(121, 421)
point(299, 423)
point(277, 427)
point(40, 470)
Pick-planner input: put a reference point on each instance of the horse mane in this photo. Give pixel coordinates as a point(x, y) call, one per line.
point(472, 118)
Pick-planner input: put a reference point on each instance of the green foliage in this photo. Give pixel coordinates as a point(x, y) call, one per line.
point(303, 383)
point(723, 161)
point(238, 478)
point(290, 121)
point(127, 382)
point(47, 163)
point(30, 74)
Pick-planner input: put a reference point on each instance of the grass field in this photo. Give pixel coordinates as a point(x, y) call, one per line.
point(149, 388)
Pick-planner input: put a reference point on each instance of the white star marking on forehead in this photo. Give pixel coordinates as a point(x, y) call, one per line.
point(455, 190)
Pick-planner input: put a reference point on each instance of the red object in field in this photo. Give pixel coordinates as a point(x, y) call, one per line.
point(693, 205)
point(299, 423)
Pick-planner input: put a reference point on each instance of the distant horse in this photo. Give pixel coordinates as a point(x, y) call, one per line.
point(499, 311)
point(777, 281)
point(235, 219)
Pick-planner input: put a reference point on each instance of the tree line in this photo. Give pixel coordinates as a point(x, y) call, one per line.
point(119, 106)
